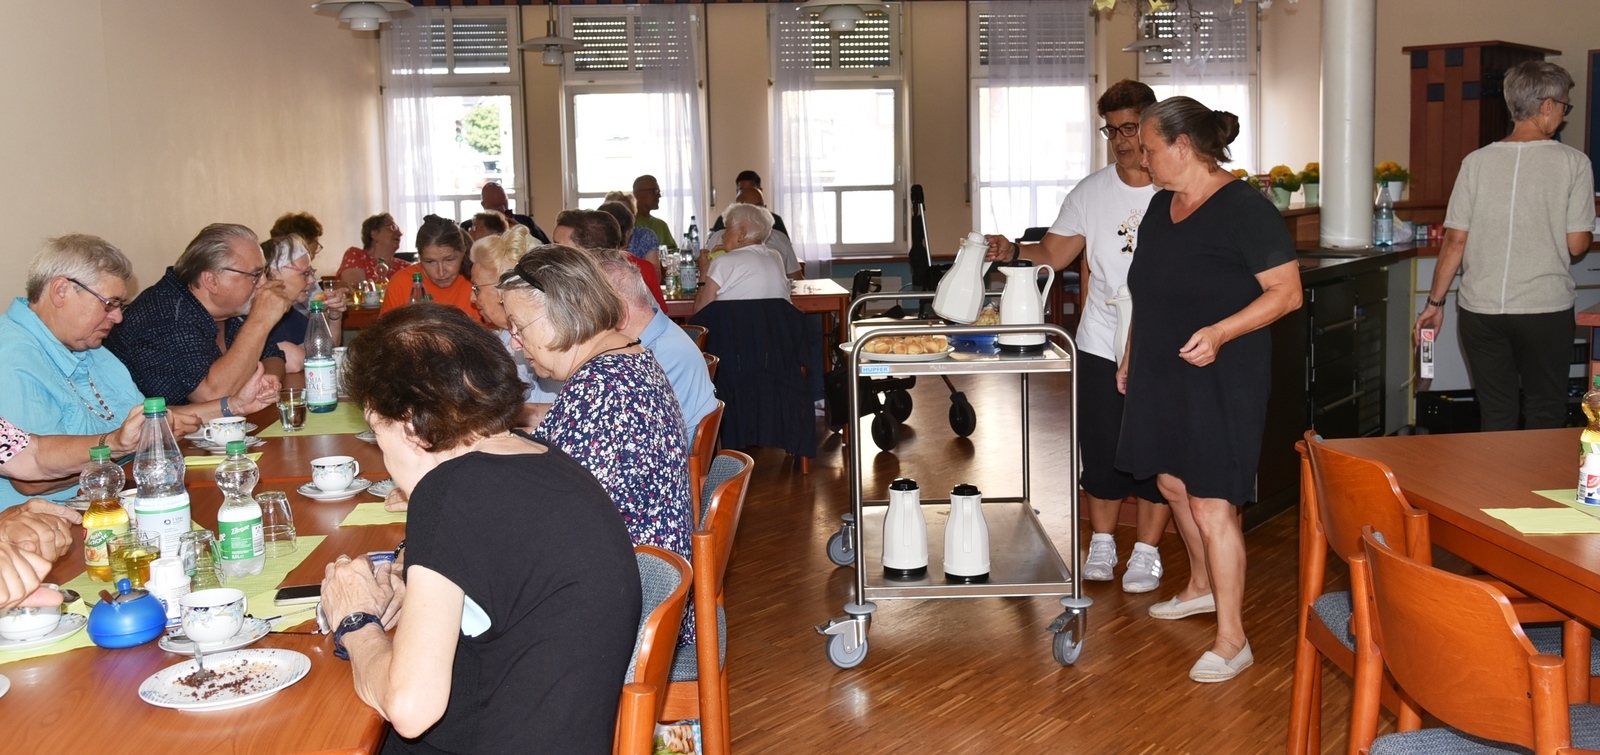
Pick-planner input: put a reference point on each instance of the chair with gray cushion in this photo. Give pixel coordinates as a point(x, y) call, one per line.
point(665, 578)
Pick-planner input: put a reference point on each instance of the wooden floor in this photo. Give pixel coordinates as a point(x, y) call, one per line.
point(976, 675)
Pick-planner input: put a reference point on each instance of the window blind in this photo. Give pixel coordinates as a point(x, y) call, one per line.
point(1221, 37)
point(1054, 41)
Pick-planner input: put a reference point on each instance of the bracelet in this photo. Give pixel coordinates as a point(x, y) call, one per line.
point(1016, 251)
point(225, 411)
point(102, 440)
point(1439, 303)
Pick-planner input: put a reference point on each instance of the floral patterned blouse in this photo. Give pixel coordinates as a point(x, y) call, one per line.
point(13, 439)
point(355, 257)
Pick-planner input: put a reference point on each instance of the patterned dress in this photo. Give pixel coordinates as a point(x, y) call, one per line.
point(356, 258)
point(12, 441)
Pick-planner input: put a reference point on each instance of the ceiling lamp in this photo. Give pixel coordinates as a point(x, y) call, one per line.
point(366, 15)
point(842, 15)
point(1148, 44)
point(553, 44)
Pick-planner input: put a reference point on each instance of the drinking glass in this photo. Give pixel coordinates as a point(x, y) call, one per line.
point(198, 550)
point(277, 523)
point(131, 555)
point(292, 408)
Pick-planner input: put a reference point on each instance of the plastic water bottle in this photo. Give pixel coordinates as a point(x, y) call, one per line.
point(162, 505)
point(670, 269)
point(688, 275)
point(1383, 219)
point(322, 372)
point(692, 238)
point(241, 546)
point(100, 482)
point(418, 293)
point(1589, 449)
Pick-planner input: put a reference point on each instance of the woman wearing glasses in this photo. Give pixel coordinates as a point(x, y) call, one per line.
point(290, 256)
point(1521, 212)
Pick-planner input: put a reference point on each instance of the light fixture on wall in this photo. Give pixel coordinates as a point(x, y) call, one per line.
point(553, 44)
point(842, 15)
point(1148, 44)
point(366, 15)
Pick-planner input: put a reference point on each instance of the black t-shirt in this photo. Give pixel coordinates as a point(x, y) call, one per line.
point(534, 541)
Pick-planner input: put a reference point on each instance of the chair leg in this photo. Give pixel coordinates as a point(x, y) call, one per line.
point(1365, 701)
point(1314, 725)
point(1575, 648)
point(805, 465)
point(1307, 671)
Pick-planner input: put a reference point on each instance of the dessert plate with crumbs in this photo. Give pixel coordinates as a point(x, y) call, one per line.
point(240, 677)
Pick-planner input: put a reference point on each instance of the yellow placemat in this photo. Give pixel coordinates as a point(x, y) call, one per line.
point(372, 513)
point(1548, 521)
point(79, 640)
point(1568, 497)
point(211, 460)
point(346, 419)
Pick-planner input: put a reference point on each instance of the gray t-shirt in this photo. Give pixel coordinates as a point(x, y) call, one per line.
point(1517, 201)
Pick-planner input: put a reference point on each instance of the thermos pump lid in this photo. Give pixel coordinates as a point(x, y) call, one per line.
point(965, 489)
point(903, 483)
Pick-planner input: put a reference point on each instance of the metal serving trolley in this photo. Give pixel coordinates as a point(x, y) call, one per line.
point(1023, 560)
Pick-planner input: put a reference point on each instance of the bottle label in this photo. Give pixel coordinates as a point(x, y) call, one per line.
point(97, 544)
point(167, 516)
point(322, 386)
point(242, 539)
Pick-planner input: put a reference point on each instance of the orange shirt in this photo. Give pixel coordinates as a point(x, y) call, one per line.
point(458, 295)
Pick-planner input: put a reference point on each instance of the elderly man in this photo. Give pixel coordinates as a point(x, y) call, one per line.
point(593, 229)
point(200, 332)
point(647, 195)
point(60, 380)
point(748, 269)
point(778, 241)
point(674, 350)
point(494, 200)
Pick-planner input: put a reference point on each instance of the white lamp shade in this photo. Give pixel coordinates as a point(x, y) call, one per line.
point(842, 18)
point(552, 56)
point(363, 15)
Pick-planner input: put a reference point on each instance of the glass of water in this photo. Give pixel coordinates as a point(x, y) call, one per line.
point(292, 408)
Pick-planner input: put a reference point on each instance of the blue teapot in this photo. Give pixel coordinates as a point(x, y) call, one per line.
point(132, 617)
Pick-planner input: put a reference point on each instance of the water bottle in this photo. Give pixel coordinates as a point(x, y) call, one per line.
point(692, 237)
point(322, 372)
point(101, 482)
point(688, 276)
point(1383, 219)
point(670, 269)
point(418, 293)
point(162, 505)
point(241, 546)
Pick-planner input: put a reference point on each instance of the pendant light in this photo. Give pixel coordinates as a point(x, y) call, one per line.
point(553, 44)
point(366, 15)
point(842, 15)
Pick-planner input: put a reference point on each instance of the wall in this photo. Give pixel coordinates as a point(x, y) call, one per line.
point(142, 122)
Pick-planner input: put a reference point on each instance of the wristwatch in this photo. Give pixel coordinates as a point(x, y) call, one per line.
point(351, 623)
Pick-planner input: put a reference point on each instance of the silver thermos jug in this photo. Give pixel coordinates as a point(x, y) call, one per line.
point(905, 532)
point(966, 537)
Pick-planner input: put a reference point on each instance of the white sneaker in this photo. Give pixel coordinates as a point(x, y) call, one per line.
point(1144, 569)
point(1102, 558)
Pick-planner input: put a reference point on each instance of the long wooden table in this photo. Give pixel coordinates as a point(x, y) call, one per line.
point(1454, 477)
point(86, 700)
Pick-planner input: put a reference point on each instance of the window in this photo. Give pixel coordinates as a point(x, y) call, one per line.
point(474, 115)
point(1033, 121)
point(1212, 58)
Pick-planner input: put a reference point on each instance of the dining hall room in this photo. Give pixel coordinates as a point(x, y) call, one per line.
point(662, 276)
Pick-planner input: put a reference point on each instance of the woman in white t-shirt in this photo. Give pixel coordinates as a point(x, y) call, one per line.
point(743, 268)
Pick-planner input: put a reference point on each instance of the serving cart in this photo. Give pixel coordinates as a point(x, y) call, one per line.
point(1023, 560)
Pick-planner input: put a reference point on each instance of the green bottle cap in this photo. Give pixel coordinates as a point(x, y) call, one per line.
point(100, 453)
point(155, 405)
point(416, 277)
point(235, 447)
point(316, 305)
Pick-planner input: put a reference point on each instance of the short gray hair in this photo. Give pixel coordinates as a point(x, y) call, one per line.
point(624, 277)
point(209, 251)
point(754, 220)
point(79, 256)
point(578, 300)
point(1529, 83)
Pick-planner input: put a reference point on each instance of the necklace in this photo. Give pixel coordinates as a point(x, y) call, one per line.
point(109, 415)
point(628, 345)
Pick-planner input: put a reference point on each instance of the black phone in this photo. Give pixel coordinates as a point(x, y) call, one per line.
point(288, 596)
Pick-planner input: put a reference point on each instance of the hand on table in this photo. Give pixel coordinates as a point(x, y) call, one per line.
point(48, 535)
point(21, 572)
point(390, 577)
point(350, 586)
point(1203, 346)
point(259, 392)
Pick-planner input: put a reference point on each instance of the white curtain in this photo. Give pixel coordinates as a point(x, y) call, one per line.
point(665, 37)
point(1212, 63)
point(796, 193)
point(408, 161)
point(1035, 123)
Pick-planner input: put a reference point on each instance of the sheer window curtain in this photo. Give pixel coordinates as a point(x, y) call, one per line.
point(666, 42)
point(1036, 126)
point(796, 192)
point(407, 89)
point(1212, 63)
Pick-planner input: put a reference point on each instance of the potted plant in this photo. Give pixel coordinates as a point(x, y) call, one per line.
point(1311, 182)
point(1285, 182)
point(1391, 177)
point(1245, 175)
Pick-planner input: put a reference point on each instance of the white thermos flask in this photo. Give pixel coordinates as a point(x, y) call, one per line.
point(966, 537)
point(905, 532)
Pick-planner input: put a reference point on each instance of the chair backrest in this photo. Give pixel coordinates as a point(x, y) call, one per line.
point(664, 577)
point(1350, 492)
point(712, 360)
point(705, 445)
point(1455, 647)
point(697, 333)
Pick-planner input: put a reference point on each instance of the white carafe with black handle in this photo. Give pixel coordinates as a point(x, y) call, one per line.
point(966, 537)
point(1022, 303)
point(905, 532)
point(960, 294)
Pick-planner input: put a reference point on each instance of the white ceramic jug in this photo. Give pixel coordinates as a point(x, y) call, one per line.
point(960, 294)
point(905, 532)
point(966, 537)
point(1123, 304)
point(1022, 303)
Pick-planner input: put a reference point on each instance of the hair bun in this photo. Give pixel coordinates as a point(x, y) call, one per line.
point(1227, 125)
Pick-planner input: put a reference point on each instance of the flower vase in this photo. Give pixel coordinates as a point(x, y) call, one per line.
point(1313, 194)
point(1394, 188)
point(1280, 197)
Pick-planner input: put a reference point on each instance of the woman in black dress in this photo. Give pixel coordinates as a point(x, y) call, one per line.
point(1215, 267)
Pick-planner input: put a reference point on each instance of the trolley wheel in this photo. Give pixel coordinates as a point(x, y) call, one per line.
point(1065, 648)
point(841, 551)
point(838, 656)
point(885, 431)
point(900, 403)
point(963, 419)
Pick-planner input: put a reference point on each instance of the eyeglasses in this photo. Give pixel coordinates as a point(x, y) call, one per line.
point(254, 277)
point(516, 330)
point(1127, 129)
point(110, 304)
point(1566, 107)
point(477, 286)
point(309, 272)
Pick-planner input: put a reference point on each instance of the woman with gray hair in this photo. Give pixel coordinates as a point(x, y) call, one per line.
point(1522, 210)
point(744, 267)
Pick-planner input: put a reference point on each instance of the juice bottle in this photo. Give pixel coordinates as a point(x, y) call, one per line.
point(1589, 449)
point(243, 550)
point(101, 481)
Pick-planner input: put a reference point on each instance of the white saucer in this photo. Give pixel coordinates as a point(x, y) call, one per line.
point(367, 436)
point(310, 490)
point(71, 624)
point(274, 669)
point(250, 632)
point(250, 441)
point(249, 427)
point(381, 488)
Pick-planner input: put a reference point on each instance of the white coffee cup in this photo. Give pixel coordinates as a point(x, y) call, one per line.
point(211, 616)
point(224, 429)
point(332, 474)
point(373, 298)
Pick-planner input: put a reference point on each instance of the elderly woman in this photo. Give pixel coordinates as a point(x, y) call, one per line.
point(1521, 212)
point(485, 224)
point(744, 268)
point(441, 255)
point(374, 260)
point(491, 258)
point(520, 598)
point(290, 255)
point(302, 224)
point(60, 379)
point(1215, 267)
point(641, 241)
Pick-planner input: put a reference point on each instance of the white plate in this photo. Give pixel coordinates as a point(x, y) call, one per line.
point(310, 490)
point(269, 670)
point(71, 624)
point(252, 630)
point(368, 436)
point(381, 488)
point(250, 441)
point(249, 427)
point(934, 357)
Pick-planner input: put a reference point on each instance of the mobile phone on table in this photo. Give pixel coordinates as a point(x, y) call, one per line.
point(297, 594)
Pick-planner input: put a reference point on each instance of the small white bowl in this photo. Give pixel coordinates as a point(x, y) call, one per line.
point(29, 623)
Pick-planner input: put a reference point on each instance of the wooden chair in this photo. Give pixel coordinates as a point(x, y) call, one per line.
point(699, 687)
point(1457, 649)
point(711, 366)
point(698, 333)
point(705, 447)
point(665, 578)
